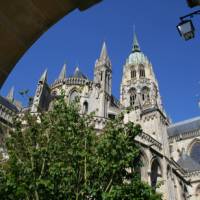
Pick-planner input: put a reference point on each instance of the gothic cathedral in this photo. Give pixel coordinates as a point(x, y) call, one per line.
point(170, 152)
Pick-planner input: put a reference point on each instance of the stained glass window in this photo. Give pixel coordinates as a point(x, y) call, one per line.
point(195, 152)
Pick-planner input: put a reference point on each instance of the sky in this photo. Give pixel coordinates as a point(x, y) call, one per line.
point(78, 37)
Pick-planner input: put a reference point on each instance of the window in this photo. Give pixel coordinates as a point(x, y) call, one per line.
point(85, 107)
point(101, 74)
point(133, 95)
point(155, 173)
point(145, 94)
point(195, 152)
point(142, 71)
point(73, 96)
point(133, 73)
point(111, 116)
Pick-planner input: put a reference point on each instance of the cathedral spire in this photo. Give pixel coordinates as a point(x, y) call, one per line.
point(77, 70)
point(43, 78)
point(104, 53)
point(62, 74)
point(136, 46)
point(10, 95)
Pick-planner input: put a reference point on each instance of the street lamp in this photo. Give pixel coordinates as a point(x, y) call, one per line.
point(186, 28)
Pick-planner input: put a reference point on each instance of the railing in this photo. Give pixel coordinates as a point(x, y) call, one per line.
point(151, 140)
point(193, 173)
point(71, 81)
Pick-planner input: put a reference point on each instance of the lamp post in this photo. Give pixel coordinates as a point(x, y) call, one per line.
point(186, 28)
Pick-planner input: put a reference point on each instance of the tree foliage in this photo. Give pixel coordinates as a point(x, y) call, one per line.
point(59, 155)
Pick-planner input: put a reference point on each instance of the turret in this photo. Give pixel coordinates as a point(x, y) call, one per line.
point(10, 95)
point(103, 71)
point(42, 95)
point(62, 74)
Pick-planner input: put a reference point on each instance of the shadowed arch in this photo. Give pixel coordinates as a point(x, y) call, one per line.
point(193, 150)
point(73, 95)
point(145, 92)
point(156, 172)
point(132, 96)
point(23, 22)
point(85, 107)
point(145, 165)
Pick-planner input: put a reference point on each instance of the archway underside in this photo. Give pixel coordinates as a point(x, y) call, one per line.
point(23, 22)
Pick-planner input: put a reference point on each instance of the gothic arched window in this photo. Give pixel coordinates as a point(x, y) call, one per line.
point(195, 151)
point(155, 173)
point(73, 96)
point(145, 94)
point(142, 71)
point(85, 107)
point(133, 95)
point(133, 73)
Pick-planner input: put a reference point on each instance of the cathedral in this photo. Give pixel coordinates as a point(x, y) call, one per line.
point(170, 152)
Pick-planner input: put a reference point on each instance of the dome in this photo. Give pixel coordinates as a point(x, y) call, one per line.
point(137, 58)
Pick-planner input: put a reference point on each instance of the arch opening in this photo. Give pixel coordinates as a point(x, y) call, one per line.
point(156, 173)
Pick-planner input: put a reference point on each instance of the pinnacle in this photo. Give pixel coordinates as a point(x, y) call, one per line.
point(62, 74)
point(104, 53)
point(43, 78)
point(10, 95)
point(76, 70)
point(136, 46)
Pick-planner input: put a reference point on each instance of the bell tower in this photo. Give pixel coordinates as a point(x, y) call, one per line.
point(139, 87)
point(140, 94)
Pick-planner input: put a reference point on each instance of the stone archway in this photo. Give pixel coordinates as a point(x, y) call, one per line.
point(144, 166)
point(156, 172)
point(194, 150)
point(23, 22)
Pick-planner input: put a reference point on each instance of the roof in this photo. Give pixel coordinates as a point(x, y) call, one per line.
point(188, 164)
point(184, 127)
point(8, 104)
point(137, 56)
point(78, 74)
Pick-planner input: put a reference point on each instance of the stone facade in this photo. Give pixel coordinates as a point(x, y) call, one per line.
point(170, 152)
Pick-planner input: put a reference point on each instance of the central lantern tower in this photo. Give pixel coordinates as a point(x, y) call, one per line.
point(140, 94)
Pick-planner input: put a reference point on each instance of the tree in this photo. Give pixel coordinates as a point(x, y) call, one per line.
point(58, 155)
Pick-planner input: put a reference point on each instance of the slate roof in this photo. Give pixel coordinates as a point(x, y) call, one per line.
point(188, 164)
point(8, 104)
point(184, 127)
point(78, 74)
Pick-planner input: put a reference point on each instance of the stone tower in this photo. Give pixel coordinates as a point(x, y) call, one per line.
point(103, 79)
point(141, 98)
point(140, 92)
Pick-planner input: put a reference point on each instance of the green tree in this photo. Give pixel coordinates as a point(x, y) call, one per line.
point(58, 155)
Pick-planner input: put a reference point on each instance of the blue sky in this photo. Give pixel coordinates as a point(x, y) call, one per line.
point(77, 40)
